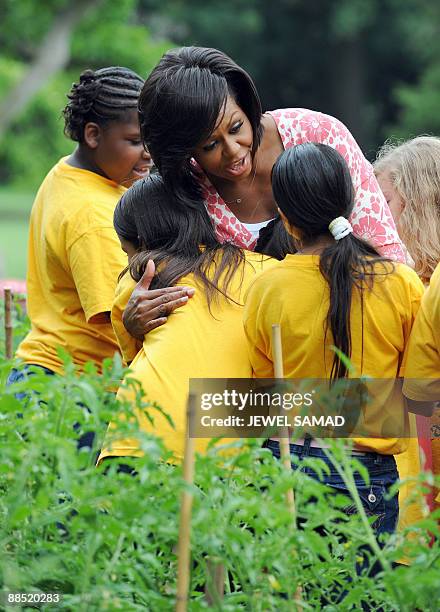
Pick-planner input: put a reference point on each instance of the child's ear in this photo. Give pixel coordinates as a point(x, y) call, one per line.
point(92, 134)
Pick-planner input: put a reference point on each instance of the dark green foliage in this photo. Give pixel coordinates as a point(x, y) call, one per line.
point(108, 35)
point(371, 64)
point(348, 58)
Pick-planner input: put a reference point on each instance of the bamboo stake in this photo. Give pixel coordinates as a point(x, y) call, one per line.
point(277, 356)
point(8, 323)
point(215, 585)
point(184, 545)
point(284, 431)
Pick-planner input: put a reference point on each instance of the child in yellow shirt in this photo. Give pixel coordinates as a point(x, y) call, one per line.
point(422, 372)
point(409, 175)
point(203, 340)
point(74, 256)
point(337, 291)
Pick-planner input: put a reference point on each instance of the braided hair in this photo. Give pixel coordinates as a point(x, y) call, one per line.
point(100, 96)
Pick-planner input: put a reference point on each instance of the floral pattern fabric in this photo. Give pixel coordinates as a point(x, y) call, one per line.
point(371, 218)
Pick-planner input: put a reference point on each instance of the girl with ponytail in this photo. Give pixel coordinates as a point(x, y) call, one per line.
point(336, 291)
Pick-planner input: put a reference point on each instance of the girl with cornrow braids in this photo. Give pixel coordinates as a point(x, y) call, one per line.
point(74, 256)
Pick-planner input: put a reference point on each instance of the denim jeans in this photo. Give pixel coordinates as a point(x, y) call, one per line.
point(86, 439)
point(22, 374)
point(383, 473)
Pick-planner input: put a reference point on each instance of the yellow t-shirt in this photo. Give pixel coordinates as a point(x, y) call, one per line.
point(295, 295)
point(423, 359)
point(192, 344)
point(74, 260)
point(422, 372)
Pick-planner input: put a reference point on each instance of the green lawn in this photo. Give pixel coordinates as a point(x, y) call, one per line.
point(15, 201)
point(14, 214)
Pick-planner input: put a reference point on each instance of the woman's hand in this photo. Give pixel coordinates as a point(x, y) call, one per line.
point(147, 309)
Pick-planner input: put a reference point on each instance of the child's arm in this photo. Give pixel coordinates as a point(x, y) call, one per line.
point(95, 259)
point(129, 346)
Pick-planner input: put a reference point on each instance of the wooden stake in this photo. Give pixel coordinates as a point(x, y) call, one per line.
point(8, 323)
point(215, 585)
point(184, 545)
point(277, 356)
point(284, 431)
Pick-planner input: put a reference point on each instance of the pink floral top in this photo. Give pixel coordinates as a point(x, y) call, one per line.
point(371, 218)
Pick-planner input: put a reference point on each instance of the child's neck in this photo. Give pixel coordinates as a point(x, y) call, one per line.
point(316, 247)
point(82, 158)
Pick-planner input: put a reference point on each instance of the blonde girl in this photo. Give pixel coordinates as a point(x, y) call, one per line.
point(409, 175)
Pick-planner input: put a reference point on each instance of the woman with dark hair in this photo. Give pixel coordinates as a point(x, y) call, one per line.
point(179, 240)
point(202, 121)
point(350, 297)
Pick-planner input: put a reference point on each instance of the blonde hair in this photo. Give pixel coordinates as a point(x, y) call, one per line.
point(414, 170)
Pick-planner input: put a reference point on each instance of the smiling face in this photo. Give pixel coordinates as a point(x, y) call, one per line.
point(394, 200)
point(119, 152)
point(226, 153)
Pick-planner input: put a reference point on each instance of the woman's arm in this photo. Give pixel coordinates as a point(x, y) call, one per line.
point(371, 217)
point(149, 308)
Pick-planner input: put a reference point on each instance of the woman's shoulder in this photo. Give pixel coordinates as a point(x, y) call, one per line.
point(292, 112)
point(297, 125)
point(302, 117)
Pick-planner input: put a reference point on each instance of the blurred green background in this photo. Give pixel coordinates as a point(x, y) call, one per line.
point(373, 64)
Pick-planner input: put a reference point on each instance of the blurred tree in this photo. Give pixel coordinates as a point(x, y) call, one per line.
point(50, 54)
point(343, 57)
point(46, 45)
point(418, 103)
point(368, 63)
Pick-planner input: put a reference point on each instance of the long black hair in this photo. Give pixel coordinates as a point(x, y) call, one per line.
point(312, 186)
point(100, 96)
point(179, 107)
point(179, 239)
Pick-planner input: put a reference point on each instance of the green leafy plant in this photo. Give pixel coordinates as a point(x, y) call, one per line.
point(106, 539)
